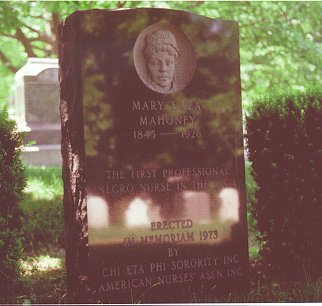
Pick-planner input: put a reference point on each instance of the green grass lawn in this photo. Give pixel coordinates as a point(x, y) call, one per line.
point(43, 267)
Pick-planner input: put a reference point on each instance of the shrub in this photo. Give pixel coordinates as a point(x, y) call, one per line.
point(12, 183)
point(284, 137)
point(250, 196)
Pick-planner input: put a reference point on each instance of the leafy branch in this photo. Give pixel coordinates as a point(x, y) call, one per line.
point(7, 63)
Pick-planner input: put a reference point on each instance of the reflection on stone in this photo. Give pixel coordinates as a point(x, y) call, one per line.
point(215, 27)
point(196, 206)
point(229, 205)
point(140, 213)
point(97, 212)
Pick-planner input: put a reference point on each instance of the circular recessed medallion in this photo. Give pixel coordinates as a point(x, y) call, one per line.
point(164, 58)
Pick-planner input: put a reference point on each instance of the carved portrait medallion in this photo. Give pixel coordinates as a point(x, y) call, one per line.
point(164, 58)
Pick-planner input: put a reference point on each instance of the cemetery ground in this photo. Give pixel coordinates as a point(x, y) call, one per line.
point(43, 268)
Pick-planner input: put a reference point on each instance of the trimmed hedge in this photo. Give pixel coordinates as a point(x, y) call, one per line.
point(284, 138)
point(12, 183)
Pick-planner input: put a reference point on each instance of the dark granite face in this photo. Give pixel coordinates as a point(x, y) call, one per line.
point(164, 155)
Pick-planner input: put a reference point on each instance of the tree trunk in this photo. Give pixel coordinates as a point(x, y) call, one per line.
point(55, 22)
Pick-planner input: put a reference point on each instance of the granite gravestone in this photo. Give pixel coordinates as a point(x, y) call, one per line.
point(36, 104)
point(153, 159)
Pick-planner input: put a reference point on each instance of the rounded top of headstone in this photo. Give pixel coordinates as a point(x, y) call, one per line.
point(35, 66)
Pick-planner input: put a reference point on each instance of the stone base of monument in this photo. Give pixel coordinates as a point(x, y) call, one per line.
point(43, 134)
point(42, 145)
point(42, 155)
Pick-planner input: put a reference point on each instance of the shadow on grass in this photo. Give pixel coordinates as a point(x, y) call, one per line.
point(43, 275)
point(44, 223)
point(43, 207)
point(42, 281)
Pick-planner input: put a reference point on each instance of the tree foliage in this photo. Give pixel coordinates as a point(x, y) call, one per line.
point(280, 42)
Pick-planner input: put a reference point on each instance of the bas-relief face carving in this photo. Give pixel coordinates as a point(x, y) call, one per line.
point(164, 58)
point(161, 53)
point(161, 68)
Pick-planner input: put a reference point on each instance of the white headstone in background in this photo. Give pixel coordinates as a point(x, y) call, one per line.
point(36, 92)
